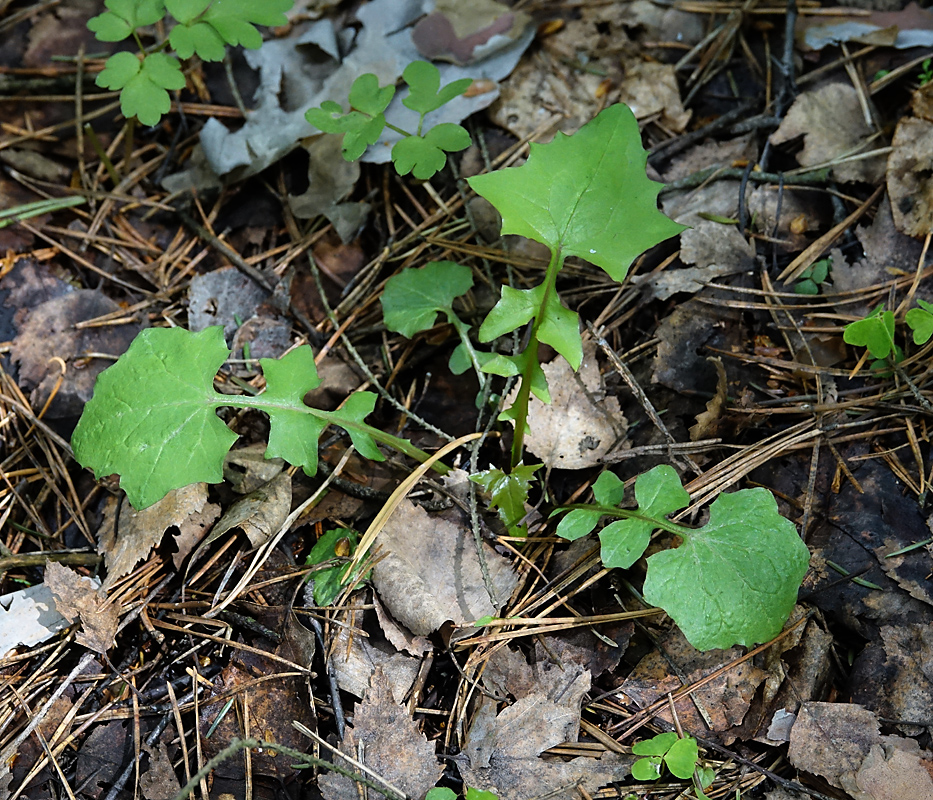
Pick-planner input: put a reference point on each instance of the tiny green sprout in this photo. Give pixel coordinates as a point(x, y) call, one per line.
point(813, 277)
point(443, 793)
point(202, 27)
point(508, 493)
point(881, 73)
point(926, 72)
point(423, 154)
point(920, 322)
point(334, 546)
point(680, 756)
point(876, 332)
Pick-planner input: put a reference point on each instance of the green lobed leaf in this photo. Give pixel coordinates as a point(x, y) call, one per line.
point(460, 360)
point(123, 17)
point(735, 580)
point(424, 80)
point(509, 366)
point(508, 493)
point(559, 326)
point(681, 759)
point(367, 96)
point(361, 126)
point(145, 95)
point(920, 321)
point(186, 10)
point(876, 332)
point(119, 70)
point(412, 299)
point(585, 195)
point(658, 493)
point(199, 38)
point(152, 419)
point(234, 20)
point(425, 156)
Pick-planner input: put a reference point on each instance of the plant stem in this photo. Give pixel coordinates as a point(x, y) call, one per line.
point(397, 129)
point(626, 513)
point(524, 391)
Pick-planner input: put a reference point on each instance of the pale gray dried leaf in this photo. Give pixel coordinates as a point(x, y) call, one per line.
point(78, 599)
point(128, 541)
point(833, 126)
point(220, 296)
point(650, 88)
point(394, 747)
point(580, 424)
point(430, 572)
point(28, 617)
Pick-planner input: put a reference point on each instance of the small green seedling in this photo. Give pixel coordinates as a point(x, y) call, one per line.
point(443, 793)
point(153, 419)
point(926, 72)
point(337, 546)
point(876, 332)
point(422, 153)
point(680, 755)
point(584, 195)
point(202, 27)
point(813, 277)
point(508, 493)
point(920, 322)
point(746, 557)
point(412, 299)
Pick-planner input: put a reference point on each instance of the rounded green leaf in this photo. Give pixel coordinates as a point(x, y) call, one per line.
point(608, 489)
point(479, 794)
point(920, 321)
point(152, 419)
point(585, 195)
point(735, 580)
point(681, 759)
point(423, 80)
point(142, 99)
point(577, 523)
point(164, 71)
point(108, 27)
point(441, 793)
point(118, 71)
point(413, 298)
point(656, 745)
point(646, 769)
point(876, 332)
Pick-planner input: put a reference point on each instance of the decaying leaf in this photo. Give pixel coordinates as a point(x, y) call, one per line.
point(581, 424)
point(466, 33)
point(649, 88)
point(833, 127)
point(504, 748)
point(724, 701)
point(126, 541)
point(28, 617)
point(910, 186)
point(259, 514)
point(78, 599)
point(841, 742)
point(394, 747)
point(431, 574)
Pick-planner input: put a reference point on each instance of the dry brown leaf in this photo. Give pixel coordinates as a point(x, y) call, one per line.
point(842, 743)
point(430, 572)
point(831, 122)
point(159, 781)
point(247, 468)
point(78, 599)
point(650, 88)
point(910, 185)
point(393, 747)
point(724, 700)
point(580, 424)
point(503, 750)
point(128, 541)
point(259, 514)
point(706, 426)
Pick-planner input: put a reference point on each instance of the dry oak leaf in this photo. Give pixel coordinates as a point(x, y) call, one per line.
point(430, 572)
point(395, 749)
point(78, 599)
